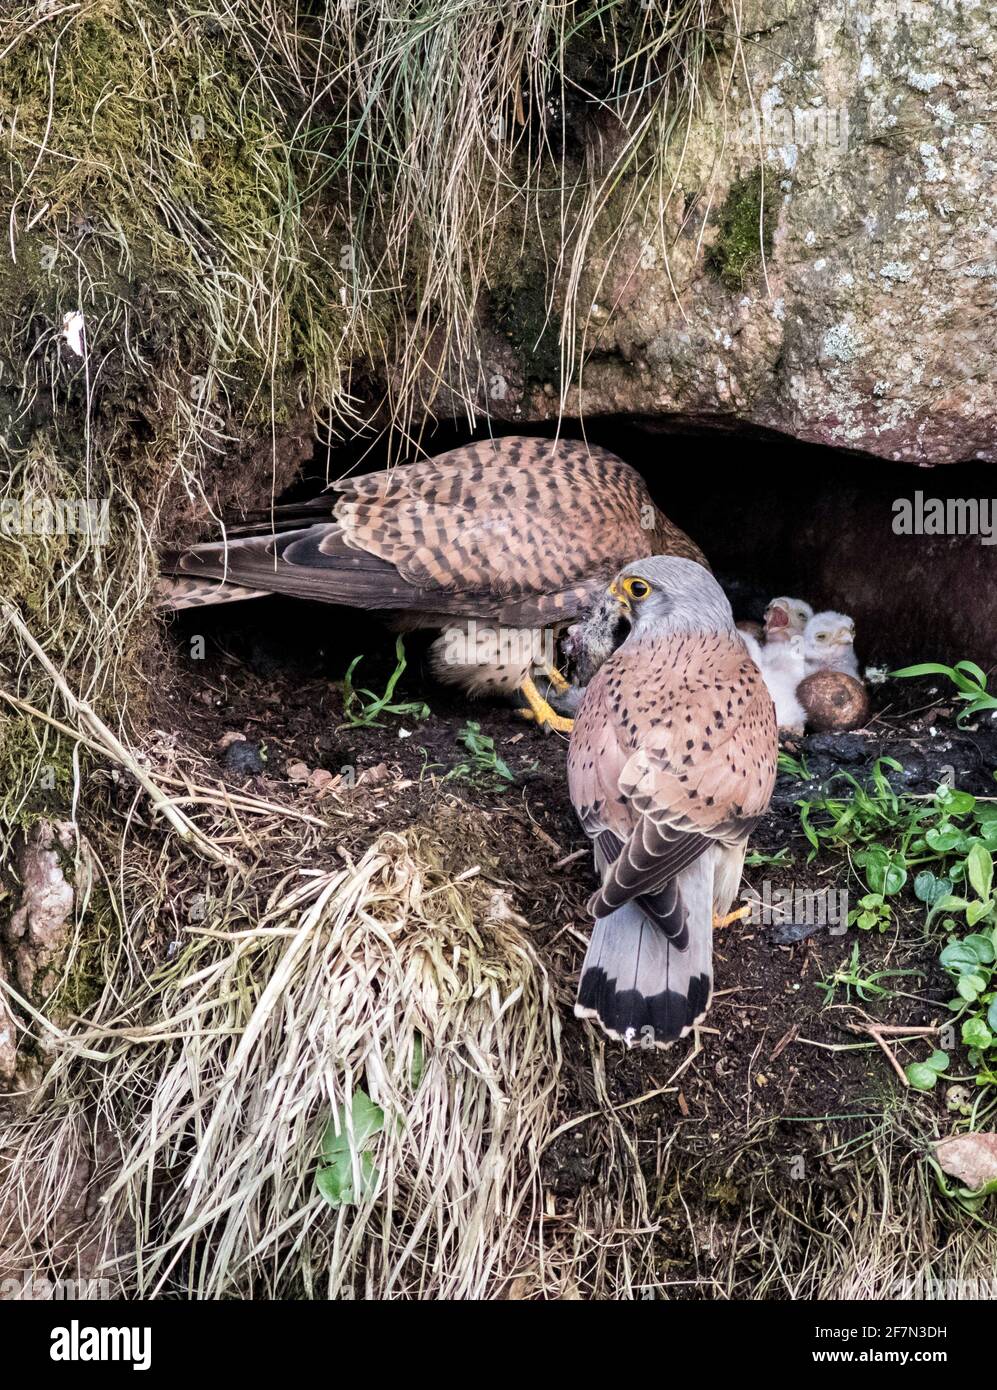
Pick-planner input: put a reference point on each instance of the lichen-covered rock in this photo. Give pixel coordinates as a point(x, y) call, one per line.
point(862, 162)
point(34, 938)
point(8, 1041)
point(38, 930)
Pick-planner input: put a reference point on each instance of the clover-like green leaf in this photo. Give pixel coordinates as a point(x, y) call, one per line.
point(921, 1076)
point(975, 1033)
point(980, 867)
point(976, 912)
point(336, 1179)
point(930, 889)
point(959, 958)
point(981, 946)
point(943, 839)
point(970, 987)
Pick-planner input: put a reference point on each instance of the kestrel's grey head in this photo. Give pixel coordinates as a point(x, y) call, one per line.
point(665, 594)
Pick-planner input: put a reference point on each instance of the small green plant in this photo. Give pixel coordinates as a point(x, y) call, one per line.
point(892, 838)
point(757, 859)
point(924, 1076)
point(485, 765)
point(793, 767)
point(362, 708)
point(941, 847)
point(866, 984)
point(971, 960)
point(872, 913)
point(969, 680)
point(860, 819)
point(951, 1187)
point(336, 1179)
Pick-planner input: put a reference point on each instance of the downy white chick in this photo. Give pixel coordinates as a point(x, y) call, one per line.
point(783, 666)
point(753, 645)
point(786, 616)
point(829, 644)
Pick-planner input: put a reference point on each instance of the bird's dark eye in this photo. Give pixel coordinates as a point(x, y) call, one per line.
point(637, 588)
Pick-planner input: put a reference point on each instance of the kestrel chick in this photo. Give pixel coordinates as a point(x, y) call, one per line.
point(495, 543)
point(783, 665)
point(784, 616)
point(829, 642)
point(671, 762)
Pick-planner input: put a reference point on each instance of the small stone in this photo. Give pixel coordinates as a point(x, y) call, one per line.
point(197, 908)
point(833, 701)
point(228, 738)
point(243, 758)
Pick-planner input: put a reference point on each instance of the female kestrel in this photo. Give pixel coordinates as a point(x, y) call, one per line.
point(500, 544)
point(671, 762)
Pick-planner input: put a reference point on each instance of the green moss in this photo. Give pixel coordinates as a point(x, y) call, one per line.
point(519, 311)
point(174, 212)
point(39, 776)
point(86, 973)
point(744, 230)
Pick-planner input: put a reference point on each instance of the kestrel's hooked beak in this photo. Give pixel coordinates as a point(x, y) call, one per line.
point(620, 597)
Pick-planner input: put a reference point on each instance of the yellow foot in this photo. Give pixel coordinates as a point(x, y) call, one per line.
point(556, 679)
point(737, 916)
point(541, 711)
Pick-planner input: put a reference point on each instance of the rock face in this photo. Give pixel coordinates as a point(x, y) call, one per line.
point(865, 160)
point(34, 939)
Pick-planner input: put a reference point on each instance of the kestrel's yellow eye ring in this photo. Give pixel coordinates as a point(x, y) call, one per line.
point(636, 588)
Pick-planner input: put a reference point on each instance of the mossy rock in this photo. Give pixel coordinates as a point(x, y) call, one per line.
point(520, 313)
point(745, 227)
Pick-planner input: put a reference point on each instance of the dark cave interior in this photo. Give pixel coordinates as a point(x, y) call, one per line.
point(773, 516)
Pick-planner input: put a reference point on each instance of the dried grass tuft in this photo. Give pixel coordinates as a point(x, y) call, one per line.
point(207, 1091)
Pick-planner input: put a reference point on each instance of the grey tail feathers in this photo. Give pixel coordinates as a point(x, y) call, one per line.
point(640, 986)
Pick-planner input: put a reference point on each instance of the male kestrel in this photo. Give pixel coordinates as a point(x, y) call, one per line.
point(500, 544)
point(671, 762)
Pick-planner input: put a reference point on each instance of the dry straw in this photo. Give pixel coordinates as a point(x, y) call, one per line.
point(205, 1094)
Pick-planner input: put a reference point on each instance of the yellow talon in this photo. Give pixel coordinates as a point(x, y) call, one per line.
point(731, 917)
point(540, 710)
point(556, 679)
